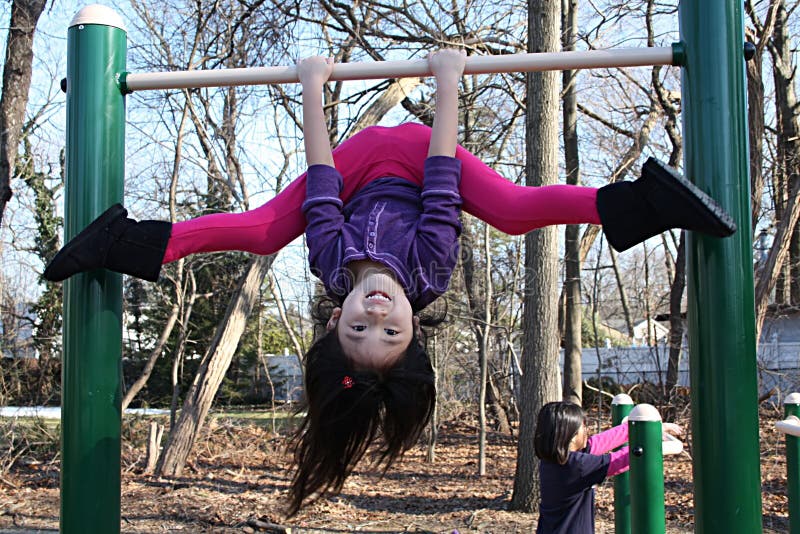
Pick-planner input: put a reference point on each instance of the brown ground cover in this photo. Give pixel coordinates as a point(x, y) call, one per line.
point(237, 478)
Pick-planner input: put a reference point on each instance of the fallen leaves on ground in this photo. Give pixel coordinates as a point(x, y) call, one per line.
point(237, 479)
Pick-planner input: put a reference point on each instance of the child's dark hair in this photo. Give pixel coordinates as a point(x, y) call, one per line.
point(557, 424)
point(348, 409)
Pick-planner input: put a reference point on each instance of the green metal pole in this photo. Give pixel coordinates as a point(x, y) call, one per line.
point(721, 316)
point(647, 470)
point(791, 406)
point(621, 407)
point(90, 404)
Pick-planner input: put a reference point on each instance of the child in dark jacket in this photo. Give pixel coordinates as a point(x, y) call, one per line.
point(380, 215)
point(572, 463)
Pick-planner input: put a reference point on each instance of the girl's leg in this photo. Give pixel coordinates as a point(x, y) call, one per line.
point(516, 209)
point(267, 229)
point(373, 153)
point(263, 230)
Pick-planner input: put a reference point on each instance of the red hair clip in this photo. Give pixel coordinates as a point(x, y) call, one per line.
point(347, 382)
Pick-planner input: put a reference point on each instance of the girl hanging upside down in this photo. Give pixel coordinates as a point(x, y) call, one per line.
point(381, 218)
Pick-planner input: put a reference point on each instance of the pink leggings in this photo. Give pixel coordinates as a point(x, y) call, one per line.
point(373, 153)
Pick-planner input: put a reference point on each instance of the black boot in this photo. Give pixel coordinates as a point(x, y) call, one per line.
point(112, 241)
point(661, 199)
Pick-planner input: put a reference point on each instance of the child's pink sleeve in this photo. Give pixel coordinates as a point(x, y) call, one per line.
point(620, 462)
point(610, 439)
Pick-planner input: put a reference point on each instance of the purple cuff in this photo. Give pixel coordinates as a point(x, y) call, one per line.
point(442, 173)
point(323, 183)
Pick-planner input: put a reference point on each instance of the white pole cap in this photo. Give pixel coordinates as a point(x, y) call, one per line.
point(644, 412)
point(792, 398)
point(621, 398)
point(98, 14)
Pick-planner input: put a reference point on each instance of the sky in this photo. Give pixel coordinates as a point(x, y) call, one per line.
point(49, 68)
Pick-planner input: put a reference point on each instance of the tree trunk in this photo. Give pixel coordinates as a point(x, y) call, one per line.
point(573, 344)
point(483, 351)
point(495, 403)
point(540, 379)
point(212, 369)
point(180, 345)
point(153, 444)
point(755, 122)
point(140, 382)
point(480, 327)
point(16, 84)
point(675, 319)
point(430, 456)
point(769, 275)
point(788, 149)
point(623, 294)
point(397, 92)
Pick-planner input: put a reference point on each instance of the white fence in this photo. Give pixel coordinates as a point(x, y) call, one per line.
point(778, 365)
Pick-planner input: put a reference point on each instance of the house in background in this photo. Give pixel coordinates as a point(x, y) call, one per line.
point(287, 376)
point(648, 333)
point(781, 325)
point(285, 379)
point(16, 332)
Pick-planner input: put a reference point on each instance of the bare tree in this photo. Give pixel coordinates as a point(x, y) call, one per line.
point(175, 309)
point(540, 379)
point(779, 272)
point(212, 369)
point(480, 310)
point(759, 34)
point(16, 84)
point(788, 149)
point(572, 284)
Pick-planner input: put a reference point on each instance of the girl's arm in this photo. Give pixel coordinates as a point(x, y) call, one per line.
point(439, 226)
point(447, 66)
point(322, 207)
point(314, 73)
point(608, 440)
point(616, 436)
point(620, 462)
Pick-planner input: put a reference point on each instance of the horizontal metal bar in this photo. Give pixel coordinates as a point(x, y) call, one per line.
point(413, 68)
point(790, 425)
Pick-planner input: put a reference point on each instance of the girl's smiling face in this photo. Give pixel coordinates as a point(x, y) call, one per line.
point(376, 323)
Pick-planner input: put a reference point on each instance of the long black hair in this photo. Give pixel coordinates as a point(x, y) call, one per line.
point(556, 425)
point(348, 410)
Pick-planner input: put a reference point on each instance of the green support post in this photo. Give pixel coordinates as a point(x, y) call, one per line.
point(621, 407)
point(791, 406)
point(91, 392)
point(647, 470)
point(721, 318)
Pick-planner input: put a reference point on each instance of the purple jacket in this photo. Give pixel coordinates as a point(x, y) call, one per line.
point(412, 231)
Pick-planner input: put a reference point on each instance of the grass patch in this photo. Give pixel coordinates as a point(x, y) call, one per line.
point(28, 440)
point(280, 420)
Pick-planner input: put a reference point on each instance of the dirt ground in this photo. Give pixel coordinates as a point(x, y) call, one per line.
point(238, 475)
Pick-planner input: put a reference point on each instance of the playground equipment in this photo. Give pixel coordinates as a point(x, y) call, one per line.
point(791, 427)
point(648, 476)
point(721, 332)
point(621, 407)
point(647, 451)
point(621, 57)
